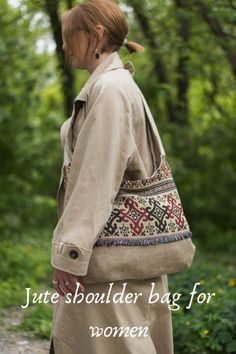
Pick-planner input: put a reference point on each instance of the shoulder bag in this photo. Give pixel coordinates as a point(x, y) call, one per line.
point(147, 233)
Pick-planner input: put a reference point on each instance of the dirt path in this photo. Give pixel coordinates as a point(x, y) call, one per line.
point(19, 342)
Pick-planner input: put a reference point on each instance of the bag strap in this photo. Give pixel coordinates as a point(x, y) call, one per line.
point(156, 146)
point(155, 142)
point(156, 135)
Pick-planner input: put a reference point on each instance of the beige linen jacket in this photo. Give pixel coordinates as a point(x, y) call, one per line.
point(111, 143)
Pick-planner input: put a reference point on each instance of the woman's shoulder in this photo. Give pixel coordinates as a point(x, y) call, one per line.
point(119, 78)
point(114, 85)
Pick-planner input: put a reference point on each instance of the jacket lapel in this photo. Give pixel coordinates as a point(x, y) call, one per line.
point(111, 62)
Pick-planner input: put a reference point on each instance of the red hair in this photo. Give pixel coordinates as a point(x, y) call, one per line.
point(93, 12)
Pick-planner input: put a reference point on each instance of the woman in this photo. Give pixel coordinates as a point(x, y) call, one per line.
point(108, 139)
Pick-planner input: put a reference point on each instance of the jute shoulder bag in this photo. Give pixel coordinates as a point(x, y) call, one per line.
point(147, 233)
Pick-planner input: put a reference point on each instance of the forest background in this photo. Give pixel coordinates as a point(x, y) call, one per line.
point(188, 75)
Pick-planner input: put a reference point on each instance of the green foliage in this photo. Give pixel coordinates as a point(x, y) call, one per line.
point(208, 328)
point(38, 320)
point(29, 123)
point(25, 262)
point(205, 175)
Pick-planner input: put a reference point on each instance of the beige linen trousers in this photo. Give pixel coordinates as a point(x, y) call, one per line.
point(108, 135)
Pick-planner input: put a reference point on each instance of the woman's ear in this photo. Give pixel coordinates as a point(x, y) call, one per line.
point(100, 31)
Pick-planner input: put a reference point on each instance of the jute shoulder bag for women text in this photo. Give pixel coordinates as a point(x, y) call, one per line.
point(147, 233)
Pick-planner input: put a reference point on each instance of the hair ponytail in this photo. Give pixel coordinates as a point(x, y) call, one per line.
point(88, 14)
point(133, 47)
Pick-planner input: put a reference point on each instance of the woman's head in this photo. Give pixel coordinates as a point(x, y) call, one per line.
point(94, 26)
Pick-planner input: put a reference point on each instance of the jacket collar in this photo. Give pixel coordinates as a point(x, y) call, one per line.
point(111, 62)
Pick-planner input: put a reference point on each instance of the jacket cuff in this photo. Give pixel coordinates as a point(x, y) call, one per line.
point(70, 258)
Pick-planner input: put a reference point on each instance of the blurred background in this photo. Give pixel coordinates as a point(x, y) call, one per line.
point(188, 75)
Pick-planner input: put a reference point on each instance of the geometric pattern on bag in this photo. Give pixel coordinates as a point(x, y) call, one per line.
point(146, 212)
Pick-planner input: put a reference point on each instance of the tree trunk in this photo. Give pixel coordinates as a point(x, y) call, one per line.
point(182, 66)
point(67, 76)
point(222, 37)
point(158, 65)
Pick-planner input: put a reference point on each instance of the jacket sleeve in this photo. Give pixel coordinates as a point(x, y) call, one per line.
point(104, 145)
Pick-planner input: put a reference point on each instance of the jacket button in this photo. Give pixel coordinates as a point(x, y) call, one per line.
point(73, 254)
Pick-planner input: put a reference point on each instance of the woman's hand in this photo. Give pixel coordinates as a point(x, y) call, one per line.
point(66, 282)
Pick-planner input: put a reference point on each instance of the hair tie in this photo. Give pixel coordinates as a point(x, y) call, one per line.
point(124, 42)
